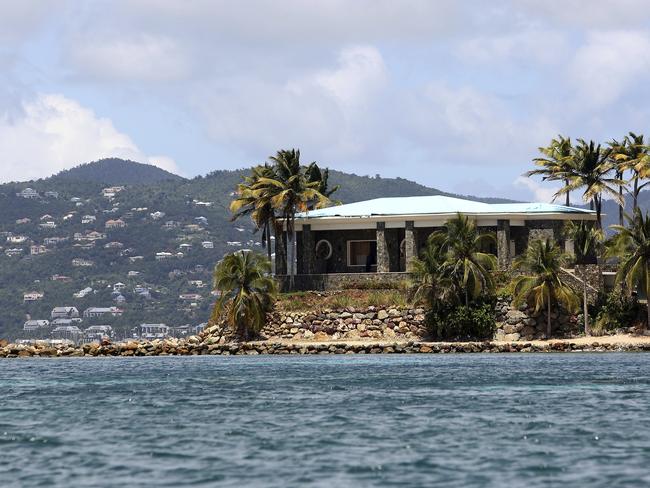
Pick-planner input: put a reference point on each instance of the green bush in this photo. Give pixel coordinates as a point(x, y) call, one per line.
point(615, 310)
point(460, 322)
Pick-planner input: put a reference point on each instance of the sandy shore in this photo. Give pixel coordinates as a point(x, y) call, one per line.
point(622, 339)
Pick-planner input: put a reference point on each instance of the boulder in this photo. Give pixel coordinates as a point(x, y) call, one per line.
point(382, 315)
point(321, 336)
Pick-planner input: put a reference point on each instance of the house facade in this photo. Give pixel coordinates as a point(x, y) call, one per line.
point(382, 236)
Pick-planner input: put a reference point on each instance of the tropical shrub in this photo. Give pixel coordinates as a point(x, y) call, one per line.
point(616, 310)
point(542, 285)
point(247, 292)
point(462, 322)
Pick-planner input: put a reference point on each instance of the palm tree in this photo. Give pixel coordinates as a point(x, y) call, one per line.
point(590, 170)
point(556, 163)
point(256, 204)
point(469, 267)
point(543, 285)
point(620, 158)
point(632, 246)
point(431, 279)
point(321, 177)
point(247, 292)
point(637, 159)
point(586, 244)
point(290, 192)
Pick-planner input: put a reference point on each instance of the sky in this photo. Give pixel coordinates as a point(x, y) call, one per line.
point(457, 95)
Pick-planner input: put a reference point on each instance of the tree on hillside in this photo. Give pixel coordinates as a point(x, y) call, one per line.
point(247, 292)
point(542, 285)
point(556, 163)
point(632, 245)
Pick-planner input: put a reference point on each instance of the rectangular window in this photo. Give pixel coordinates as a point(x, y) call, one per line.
point(362, 253)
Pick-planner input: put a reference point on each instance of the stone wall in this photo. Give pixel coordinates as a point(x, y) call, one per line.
point(515, 324)
point(348, 324)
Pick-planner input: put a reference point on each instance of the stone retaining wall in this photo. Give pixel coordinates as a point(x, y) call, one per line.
point(514, 324)
point(348, 324)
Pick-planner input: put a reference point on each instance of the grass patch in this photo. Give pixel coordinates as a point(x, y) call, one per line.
point(318, 301)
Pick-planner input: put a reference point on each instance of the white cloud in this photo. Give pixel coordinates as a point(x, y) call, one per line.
point(143, 57)
point(325, 110)
point(527, 46)
point(360, 75)
point(609, 63)
point(55, 133)
point(469, 126)
point(541, 192)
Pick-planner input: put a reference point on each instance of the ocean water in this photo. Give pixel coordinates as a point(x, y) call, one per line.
point(283, 421)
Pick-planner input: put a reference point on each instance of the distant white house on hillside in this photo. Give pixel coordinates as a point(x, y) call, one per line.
point(83, 293)
point(115, 224)
point(33, 296)
point(37, 249)
point(94, 312)
point(32, 325)
point(64, 313)
point(82, 263)
point(28, 193)
point(207, 245)
point(111, 191)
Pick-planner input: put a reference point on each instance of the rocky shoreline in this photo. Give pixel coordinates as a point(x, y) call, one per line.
point(194, 346)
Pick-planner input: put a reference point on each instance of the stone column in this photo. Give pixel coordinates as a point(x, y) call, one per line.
point(280, 254)
point(308, 249)
point(569, 247)
point(410, 244)
point(503, 243)
point(383, 259)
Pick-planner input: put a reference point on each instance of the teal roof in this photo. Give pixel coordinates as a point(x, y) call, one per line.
point(436, 205)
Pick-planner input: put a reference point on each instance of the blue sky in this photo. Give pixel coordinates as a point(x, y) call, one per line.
point(455, 95)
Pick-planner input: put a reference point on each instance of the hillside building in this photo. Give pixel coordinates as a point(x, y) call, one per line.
point(28, 193)
point(64, 313)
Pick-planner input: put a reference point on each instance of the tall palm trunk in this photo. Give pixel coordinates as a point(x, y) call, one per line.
point(567, 198)
point(267, 230)
point(635, 195)
point(647, 293)
point(548, 317)
point(294, 249)
point(585, 305)
point(621, 208)
point(599, 219)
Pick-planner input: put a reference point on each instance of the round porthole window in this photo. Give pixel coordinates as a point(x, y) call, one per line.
point(323, 249)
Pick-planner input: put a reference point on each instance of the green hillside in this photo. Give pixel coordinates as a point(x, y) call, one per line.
point(115, 171)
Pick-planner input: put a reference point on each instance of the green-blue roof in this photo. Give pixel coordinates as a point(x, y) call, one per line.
point(437, 204)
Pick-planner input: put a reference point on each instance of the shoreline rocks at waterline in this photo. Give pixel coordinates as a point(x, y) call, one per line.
point(194, 346)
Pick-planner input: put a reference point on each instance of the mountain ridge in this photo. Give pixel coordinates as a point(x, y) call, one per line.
point(115, 171)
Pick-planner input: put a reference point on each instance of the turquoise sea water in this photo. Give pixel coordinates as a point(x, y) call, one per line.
point(425, 420)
